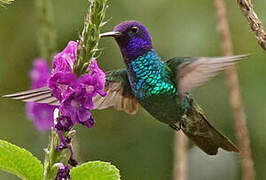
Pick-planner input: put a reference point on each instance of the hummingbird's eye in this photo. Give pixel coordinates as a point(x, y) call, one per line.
point(135, 29)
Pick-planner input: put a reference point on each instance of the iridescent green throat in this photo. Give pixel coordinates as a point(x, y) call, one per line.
point(149, 76)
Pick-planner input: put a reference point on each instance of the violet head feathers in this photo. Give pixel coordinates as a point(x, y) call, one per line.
point(134, 39)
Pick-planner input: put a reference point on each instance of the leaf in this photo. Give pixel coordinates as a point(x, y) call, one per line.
point(20, 162)
point(4, 2)
point(95, 170)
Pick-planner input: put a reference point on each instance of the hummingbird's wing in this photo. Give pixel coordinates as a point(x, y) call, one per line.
point(117, 88)
point(191, 72)
point(119, 93)
point(202, 133)
point(39, 95)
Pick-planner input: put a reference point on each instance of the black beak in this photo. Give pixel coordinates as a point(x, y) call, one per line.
point(110, 34)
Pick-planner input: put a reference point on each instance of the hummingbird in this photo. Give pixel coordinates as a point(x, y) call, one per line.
point(162, 88)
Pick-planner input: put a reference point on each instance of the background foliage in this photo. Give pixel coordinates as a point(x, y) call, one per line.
point(138, 145)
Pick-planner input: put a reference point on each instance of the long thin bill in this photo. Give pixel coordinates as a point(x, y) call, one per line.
point(110, 34)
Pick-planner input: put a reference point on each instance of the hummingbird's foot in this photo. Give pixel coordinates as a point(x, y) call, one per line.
point(175, 126)
point(179, 124)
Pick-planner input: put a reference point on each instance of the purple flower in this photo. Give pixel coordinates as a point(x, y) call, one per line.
point(63, 172)
point(75, 94)
point(64, 61)
point(40, 114)
point(63, 143)
point(39, 73)
point(98, 77)
point(71, 160)
point(89, 123)
point(62, 83)
point(63, 123)
point(63, 80)
point(77, 106)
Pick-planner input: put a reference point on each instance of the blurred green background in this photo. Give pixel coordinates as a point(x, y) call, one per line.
point(141, 147)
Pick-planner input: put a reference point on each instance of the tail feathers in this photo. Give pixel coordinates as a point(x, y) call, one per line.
point(196, 127)
point(209, 139)
point(205, 136)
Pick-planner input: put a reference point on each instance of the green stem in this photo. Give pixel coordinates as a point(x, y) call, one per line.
point(47, 46)
point(87, 47)
point(52, 156)
point(89, 40)
point(46, 31)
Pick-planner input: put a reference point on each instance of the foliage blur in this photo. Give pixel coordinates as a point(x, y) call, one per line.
point(141, 147)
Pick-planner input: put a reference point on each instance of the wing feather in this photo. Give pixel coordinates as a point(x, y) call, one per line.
point(193, 72)
point(118, 93)
point(28, 92)
point(39, 95)
point(117, 88)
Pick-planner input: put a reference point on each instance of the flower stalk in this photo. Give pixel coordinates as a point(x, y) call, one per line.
point(47, 46)
point(180, 156)
point(52, 157)
point(255, 23)
point(46, 35)
point(88, 43)
point(231, 77)
point(74, 91)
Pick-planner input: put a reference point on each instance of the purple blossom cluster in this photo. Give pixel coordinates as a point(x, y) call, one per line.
point(74, 93)
point(63, 172)
point(40, 114)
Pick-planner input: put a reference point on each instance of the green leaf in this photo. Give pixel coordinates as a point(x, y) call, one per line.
point(95, 170)
point(4, 2)
point(20, 162)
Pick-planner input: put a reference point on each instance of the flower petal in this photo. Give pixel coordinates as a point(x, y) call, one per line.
point(62, 83)
point(41, 115)
point(64, 61)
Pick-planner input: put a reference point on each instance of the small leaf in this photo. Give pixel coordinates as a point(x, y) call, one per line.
point(95, 170)
point(20, 162)
point(4, 2)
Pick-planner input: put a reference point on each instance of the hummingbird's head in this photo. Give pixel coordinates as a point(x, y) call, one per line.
point(132, 38)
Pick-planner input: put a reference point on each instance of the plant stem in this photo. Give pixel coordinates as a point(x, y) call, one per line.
point(254, 22)
point(52, 156)
point(87, 47)
point(47, 46)
point(88, 43)
point(180, 159)
point(46, 32)
point(235, 97)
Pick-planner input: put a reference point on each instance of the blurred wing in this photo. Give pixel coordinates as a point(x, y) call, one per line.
point(117, 88)
point(193, 72)
point(40, 95)
point(118, 92)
